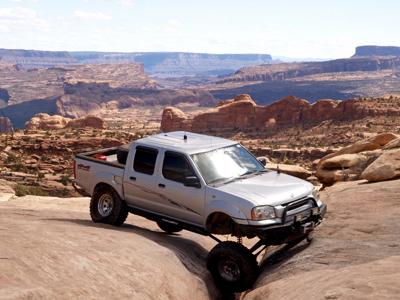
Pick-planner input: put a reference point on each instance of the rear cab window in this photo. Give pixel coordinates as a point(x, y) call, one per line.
point(176, 167)
point(145, 160)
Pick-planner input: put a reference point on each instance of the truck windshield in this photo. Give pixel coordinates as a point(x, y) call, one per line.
point(226, 164)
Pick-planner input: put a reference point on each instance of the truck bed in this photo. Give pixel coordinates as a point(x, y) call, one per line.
point(115, 156)
point(104, 165)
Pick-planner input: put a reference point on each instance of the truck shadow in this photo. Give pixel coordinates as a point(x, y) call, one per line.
point(192, 255)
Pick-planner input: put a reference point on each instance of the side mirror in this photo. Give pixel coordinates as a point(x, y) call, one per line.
point(262, 160)
point(192, 181)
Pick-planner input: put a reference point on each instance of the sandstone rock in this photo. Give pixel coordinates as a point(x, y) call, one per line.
point(242, 114)
point(293, 170)
point(5, 125)
point(242, 97)
point(385, 167)
point(344, 167)
point(88, 121)
point(45, 122)
point(392, 144)
point(173, 119)
point(376, 142)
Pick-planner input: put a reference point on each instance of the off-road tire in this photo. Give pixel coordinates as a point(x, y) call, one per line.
point(168, 227)
point(228, 254)
point(119, 211)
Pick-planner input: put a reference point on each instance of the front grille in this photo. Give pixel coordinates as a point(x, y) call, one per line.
point(297, 207)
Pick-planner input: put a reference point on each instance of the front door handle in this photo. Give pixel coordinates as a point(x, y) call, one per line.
point(132, 178)
point(161, 185)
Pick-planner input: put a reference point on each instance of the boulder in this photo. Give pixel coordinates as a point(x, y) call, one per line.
point(44, 121)
point(88, 121)
point(294, 170)
point(5, 125)
point(385, 167)
point(376, 142)
point(344, 167)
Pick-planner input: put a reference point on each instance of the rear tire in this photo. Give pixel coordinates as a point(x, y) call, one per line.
point(107, 207)
point(168, 227)
point(233, 267)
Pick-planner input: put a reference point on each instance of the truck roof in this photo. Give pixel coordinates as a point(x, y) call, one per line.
point(194, 143)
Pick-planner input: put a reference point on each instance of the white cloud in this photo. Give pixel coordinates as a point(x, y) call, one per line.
point(20, 18)
point(92, 16)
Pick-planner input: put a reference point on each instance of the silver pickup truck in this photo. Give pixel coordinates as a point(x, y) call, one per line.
point(204, 184)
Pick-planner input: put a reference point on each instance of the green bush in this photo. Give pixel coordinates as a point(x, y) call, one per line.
point(23, 190)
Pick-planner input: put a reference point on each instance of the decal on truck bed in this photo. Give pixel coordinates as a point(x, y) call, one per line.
point(83, 167)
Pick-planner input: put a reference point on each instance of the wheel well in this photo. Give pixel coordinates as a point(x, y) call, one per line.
point(220, 223)
point(102, 185)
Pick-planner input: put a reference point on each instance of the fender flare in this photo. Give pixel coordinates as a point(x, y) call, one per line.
point(221, 206)
point(109, 181)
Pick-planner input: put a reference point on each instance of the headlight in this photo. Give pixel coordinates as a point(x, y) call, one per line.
point(262, 213)
point(315, 193)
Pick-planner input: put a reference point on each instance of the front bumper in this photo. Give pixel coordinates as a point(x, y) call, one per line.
point(290, 227)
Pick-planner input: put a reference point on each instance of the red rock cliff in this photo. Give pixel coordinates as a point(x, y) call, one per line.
point(244, 114)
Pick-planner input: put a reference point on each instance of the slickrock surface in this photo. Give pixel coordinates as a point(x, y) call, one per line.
point(49, 248)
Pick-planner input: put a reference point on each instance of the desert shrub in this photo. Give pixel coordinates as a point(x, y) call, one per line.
point(11, 158)
point(60, 193)
point(64, 179)
point(23, 190)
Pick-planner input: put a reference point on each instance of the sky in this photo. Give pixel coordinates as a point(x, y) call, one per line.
point(298, 29)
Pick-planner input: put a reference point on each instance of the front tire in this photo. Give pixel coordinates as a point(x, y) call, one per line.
point(233, 266)
point(107, 207)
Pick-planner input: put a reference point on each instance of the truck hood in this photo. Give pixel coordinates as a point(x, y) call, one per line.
point(268, 188)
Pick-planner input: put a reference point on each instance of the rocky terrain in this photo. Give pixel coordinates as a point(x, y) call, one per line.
point(50, 248)
point(75, 91)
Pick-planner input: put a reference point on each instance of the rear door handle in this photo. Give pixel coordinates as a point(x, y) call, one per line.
point(132, 178)
point(161, 185)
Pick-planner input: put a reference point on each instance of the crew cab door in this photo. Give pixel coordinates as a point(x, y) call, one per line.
point(140, 180)
point(181, 201)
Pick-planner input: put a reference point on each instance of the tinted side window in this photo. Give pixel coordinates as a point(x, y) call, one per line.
point(176, 167)
point(145, 160)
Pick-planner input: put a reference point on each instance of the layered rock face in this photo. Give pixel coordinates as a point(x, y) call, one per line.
point(35, 58)
point(5, 125)
point(242, 113)
point(44, 121)
point(377, 51)
point(284, 71)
